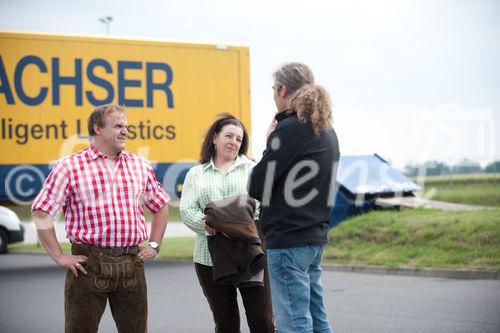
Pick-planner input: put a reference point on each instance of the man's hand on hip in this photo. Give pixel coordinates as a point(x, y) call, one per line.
point(71, 262)
point(147, 253)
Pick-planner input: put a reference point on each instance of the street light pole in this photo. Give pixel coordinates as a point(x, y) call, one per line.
point(107, 22)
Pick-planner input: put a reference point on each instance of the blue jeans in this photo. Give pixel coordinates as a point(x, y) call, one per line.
point(296, 289)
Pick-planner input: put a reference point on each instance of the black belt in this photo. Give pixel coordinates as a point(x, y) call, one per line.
point(114, 251)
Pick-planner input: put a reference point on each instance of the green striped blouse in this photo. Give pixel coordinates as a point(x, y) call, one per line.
point(204, 184)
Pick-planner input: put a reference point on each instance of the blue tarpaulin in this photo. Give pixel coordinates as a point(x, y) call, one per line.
point(362, 179)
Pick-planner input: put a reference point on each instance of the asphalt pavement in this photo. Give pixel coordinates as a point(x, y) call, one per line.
point(31, 300)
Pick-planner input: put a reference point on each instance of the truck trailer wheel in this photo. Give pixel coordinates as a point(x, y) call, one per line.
point(4, 239)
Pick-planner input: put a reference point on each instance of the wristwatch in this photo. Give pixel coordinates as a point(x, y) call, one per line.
point(155, 246)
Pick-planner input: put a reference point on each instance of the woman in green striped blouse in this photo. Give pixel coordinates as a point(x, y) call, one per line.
point(223, 172)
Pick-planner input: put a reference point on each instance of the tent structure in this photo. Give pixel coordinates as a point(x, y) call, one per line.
point(363, 179)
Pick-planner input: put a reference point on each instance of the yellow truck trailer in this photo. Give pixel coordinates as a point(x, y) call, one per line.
point(172, 91)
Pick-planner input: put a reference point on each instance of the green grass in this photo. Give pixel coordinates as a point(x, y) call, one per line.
point(173, 212)
point(464, 179)
point(178, 248)
point(24, 212)
point(34, 248)
point(419, 238)
point(483, 189)
point(471, 195)
point(411, 238)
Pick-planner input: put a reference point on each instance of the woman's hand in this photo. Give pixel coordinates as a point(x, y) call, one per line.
point(208, 231)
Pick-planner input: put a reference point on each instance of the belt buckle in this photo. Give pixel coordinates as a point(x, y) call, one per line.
point(116, 251)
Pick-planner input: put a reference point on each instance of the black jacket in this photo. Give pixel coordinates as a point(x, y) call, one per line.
point(297, 211)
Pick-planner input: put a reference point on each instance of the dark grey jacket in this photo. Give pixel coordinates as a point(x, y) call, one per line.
point(236, 249)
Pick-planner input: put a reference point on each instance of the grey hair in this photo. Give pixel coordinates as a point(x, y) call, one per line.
point(293, 76)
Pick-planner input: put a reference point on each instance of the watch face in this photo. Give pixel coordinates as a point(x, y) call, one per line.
point(154, 245)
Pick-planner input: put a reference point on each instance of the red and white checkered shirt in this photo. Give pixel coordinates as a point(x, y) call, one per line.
point(102, 206)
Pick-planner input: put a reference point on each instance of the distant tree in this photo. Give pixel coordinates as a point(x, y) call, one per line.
point(411, 170)
point(467, 166)
point(429, 168)
point(493, 167)
point(441, 169)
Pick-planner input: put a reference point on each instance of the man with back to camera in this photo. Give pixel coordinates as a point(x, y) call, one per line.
point(101, 190)
point(294, 182)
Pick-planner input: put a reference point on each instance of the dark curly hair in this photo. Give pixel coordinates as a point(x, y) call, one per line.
point(208, 147)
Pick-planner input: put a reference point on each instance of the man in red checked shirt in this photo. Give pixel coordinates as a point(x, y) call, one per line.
point(102, 190)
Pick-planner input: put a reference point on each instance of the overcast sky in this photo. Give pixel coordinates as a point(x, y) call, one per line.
point(409, 80)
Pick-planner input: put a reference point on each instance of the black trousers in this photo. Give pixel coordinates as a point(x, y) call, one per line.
point(223, 302)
